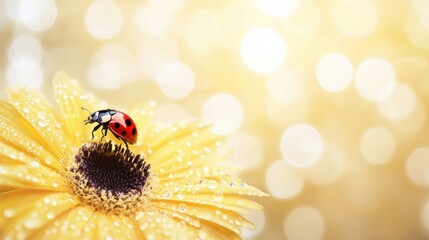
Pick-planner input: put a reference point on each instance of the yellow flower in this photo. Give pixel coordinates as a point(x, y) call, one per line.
point(57, 183)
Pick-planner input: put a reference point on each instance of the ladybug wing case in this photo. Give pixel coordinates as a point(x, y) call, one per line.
point(122, 126)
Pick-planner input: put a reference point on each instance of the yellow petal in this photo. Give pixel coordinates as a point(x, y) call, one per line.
point(18, 138)
point(37, 213)
point(158, 225)
point(71, 97)
point(37, 111)
point(34, 176)
point(222, 217)
point(114, 227)
point(178, 148)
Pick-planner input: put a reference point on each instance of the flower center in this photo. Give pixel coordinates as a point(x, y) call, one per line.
point(110, 178)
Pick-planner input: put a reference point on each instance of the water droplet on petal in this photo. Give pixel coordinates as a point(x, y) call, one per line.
point(182, 207)
point(202, 234)
point(166, 193)
point(211, 184)
point(42, 124)
point(8, 213)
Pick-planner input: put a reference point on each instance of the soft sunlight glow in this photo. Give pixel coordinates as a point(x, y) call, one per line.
point(304, 223)
point(418, 166)
point(112, 67)
point(286, 85)
point(25, 46)
point(301, 145)
point(202, 32)
point(425, 216)
point(277, 8)
point(170, 114)
point(400, 104)
point(103, 19)
point(263, 50)
point(334, 72)
point(247, 150)
point(25, 71)
point(150, 19)
point(175, 79)
point(377, 145)
point(38, 15)
point(355, 18)
point(375, 79)
point(283, 181)
point(224, 111)
point(328, 168)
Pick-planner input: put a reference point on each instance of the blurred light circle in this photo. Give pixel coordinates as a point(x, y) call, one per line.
point(420, 6)
point(282, 181)
point(103, 19)
point(224, 111)
point(111, 67)
point(263, 50)
point(304, 223)
point(425, 216)
point(334, 72)
point(170, 114)
point(413, 122)
point(418, 166)
point(328, 168)
point(155, 52)
point(257, 217)
point(169, 6)
point(150, 20)
point(375, 79)
point(247, 150)
point(285, 85)
point(202, 32)
point(302, 25)
point(355, 18)
point(25, 71)
point(25, 46)
point(377, 145)
point(301, 145)
point(277, 8)
point(400, 104)
point(175, 79)
point(38, 15)
point(417, 31)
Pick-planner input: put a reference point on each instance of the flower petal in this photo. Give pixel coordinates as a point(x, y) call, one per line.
point(114, 227)
point(181, 147)
point(71, 97)
point(33, 176)
point(224, 218)
point(158, 225)
point(29, 217)
point(37, 111)
point(19, 139)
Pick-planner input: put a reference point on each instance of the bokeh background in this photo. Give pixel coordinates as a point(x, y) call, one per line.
point(325, 101)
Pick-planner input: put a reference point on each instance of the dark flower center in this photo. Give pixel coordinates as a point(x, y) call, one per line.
point(112, 168)
point(109, 177)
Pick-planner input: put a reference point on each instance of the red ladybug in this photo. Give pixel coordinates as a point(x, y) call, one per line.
point(119, 123)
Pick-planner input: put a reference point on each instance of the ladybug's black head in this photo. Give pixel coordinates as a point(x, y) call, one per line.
point(93, 117)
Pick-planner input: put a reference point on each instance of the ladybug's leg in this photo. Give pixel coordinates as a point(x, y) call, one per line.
point(105, 128)
point(95, 129)
point(126, 144)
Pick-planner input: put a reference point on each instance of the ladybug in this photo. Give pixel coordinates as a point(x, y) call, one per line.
point(119, 123)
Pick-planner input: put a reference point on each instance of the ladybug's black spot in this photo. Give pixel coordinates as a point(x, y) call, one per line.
point(123, 133)
point(117, 125)
point(128, 122)
point(134, 131)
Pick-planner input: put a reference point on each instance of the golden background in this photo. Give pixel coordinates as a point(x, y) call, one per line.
point(325, 101)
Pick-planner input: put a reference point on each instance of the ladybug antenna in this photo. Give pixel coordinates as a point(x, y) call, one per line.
point(86, 109)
